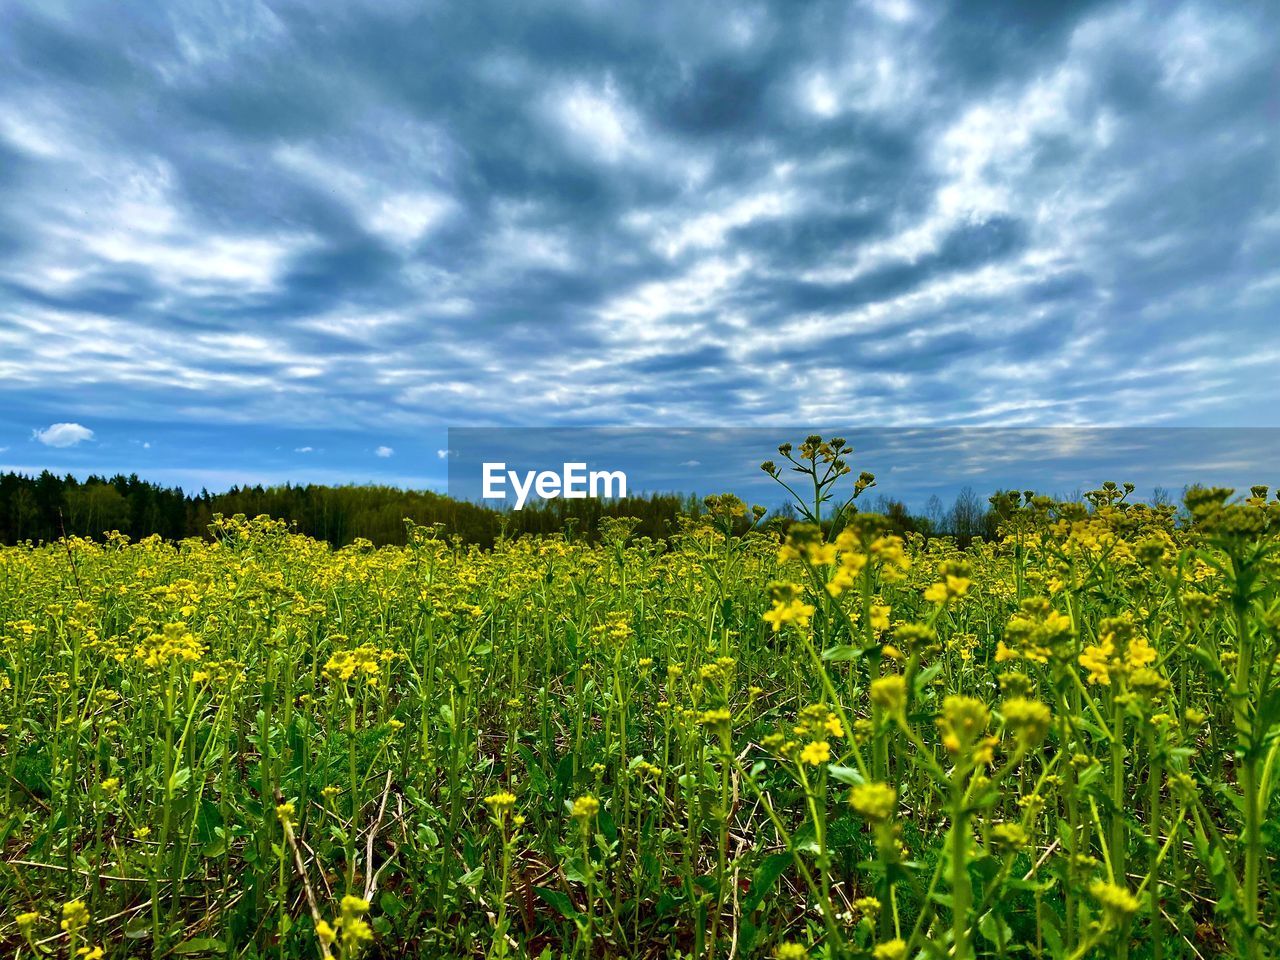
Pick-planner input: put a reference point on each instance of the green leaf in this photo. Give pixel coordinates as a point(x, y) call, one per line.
point(747, 933)
point(536, 777)
point(560, 901)
point(805, 838)
point(847, 775)
point(764, 878)
point(607, 826)
point(200, 945)
point(927, 675)
point(1052, 935)
point(995, 929)
point(139, 928)
point(564, 775)
point(390, 904)
point(574, 871)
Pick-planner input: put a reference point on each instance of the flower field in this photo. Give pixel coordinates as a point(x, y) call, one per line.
point(745, 741)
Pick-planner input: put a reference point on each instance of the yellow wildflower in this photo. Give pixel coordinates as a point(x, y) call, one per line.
point(874, 801)
point(890, 950)
point(1118, 904)
point(816, 753)
point(75, 916)
point(890, 693)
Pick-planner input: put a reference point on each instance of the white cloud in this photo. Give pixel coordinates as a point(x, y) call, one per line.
point(384, 452)
point(398, 212)
point(710, 228)
point(304, 449)
point(691, 463)
point(147, 445)
point(62, 435)
point(820, 97)
point(599, 120)
point(444, 454)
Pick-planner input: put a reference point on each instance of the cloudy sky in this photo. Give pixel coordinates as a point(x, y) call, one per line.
point(250, 241)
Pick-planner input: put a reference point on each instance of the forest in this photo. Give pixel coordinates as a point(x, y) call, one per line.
point(45, 507)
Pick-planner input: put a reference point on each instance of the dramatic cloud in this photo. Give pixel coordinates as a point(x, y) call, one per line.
point(62, 435)
point(300, 224)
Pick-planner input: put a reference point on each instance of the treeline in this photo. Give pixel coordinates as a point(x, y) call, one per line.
point(44, 507)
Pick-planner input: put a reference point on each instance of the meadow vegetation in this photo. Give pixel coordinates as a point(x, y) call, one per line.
point(831, 740)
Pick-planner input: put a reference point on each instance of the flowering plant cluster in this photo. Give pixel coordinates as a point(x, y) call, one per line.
point(827, 738)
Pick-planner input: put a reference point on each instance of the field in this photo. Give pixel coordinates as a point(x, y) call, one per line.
point(825, 740)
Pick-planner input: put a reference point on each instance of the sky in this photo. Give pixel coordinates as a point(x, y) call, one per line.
point(258, 242)
point(912, 465)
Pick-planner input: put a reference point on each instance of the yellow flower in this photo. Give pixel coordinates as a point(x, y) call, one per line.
point(963, 720)
point(354, 933)
point(789, 611)
point(1118, 904)
point(821, 554)
point(325, 932)
point(1027, 720)
point(501, 803)
point(1096, 658)
point(949, 588)
point(174, 642)
point(585, 807)
point(816, 753)
point(353, 905)
point(880, 617)
point(890, 551)
point(75, 916)
point(1035, 633)
point(1008, 837)
point(890, 693)
point(717, 719)
point(890, 950)
point(874, 801)
point(1139, 653)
